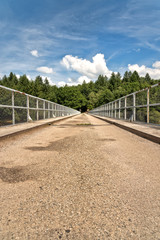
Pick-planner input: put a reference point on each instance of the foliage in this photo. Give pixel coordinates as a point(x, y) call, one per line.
point(81, 97)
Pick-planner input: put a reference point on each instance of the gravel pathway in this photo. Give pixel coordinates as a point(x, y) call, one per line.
point(80, 179)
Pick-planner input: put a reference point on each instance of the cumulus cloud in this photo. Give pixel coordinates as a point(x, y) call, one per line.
point(18, 76)
point(156, 64)
point(154, 72)
point(29, 77)
point(75, 82)
point(88, 69)
point(82, 79)
point(61, 84)
point(44, 70)
point(34, 53)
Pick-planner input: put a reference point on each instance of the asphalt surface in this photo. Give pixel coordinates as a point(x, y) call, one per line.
point(81, 178)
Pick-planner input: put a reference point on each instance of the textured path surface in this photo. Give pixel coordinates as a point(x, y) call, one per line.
point(80, 179)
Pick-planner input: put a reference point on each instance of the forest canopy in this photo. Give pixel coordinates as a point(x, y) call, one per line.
point(81, 97)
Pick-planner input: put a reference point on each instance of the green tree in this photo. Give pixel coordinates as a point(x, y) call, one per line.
point(85, 89)
point(148, 78)
point(23, 84)
point(114, 81)
point(93, 99)
point(101, 82)
point(134, 77)
point(104, 96)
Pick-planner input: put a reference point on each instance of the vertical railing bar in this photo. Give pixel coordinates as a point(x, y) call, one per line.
point(125, 110)
point(37, 105)
point(13, 110)
point(48, 110)
point(148, 92)
point(134, 107)
point(44, 108)
point(52, 109)
point(28, 117)
point(119, 109)
point(115, 113)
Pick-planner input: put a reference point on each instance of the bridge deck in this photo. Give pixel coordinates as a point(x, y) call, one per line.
point(148, 131)
point(12, 130)
point(81, 178)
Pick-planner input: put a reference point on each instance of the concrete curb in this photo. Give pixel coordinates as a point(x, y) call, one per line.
point(20, 132)
point(137, 132)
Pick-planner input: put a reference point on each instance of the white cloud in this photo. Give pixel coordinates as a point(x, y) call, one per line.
point(44, 70)
point(34, 53)
point(75, 82)
point(29, 77)
point(89, 69)
point(70, 80)
point(61, 84)
point(142, 70)
point(70, 37)
point(83, 78)
point(137, 49)
point(156, 64)
point(18, 76)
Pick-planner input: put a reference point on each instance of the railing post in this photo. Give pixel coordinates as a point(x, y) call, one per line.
point(148, 105)
point(115, 109)
point(60, 111)
point(107, 110)
point(13, 111)
point(37, 109)
point(57, 110)
point(119, 109)
point(112, 110)
point(27, 108)
point(52, 111)
point(125, 109)
point(134, 107)
point(44, 112)
point(48, 110)
point(55, 113)
point(55, 107)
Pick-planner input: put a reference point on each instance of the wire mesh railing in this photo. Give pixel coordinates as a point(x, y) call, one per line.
point(18, 107)
point(140, 106)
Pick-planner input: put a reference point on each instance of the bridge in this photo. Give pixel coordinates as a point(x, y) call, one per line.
point(77, 176)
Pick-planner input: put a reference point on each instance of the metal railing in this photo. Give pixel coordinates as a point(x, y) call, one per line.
point(18, 107)
point(140, 106)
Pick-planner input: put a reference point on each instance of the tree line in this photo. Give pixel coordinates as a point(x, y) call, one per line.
point(83, 96)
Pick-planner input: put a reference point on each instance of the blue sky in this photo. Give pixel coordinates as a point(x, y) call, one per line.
point(69, 40)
